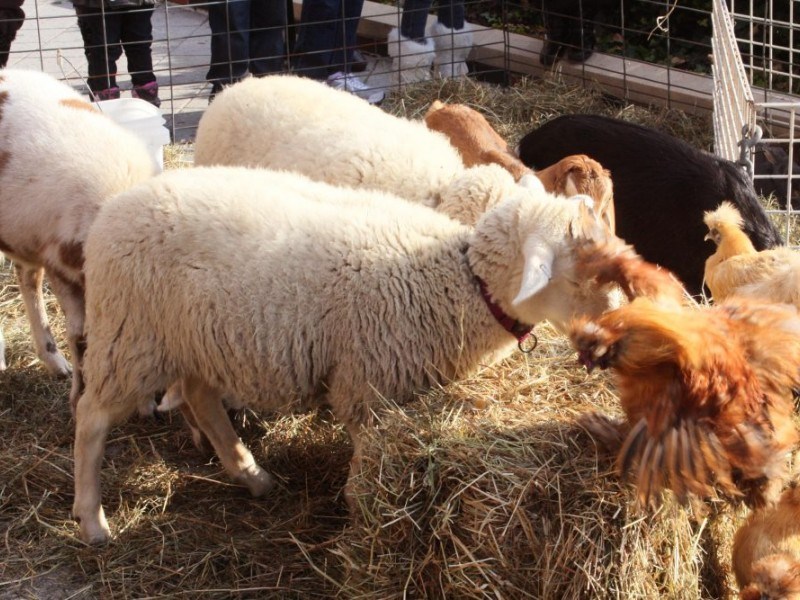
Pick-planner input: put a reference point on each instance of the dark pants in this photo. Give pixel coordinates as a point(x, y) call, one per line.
point(415, 14)
point(246, 36)
point(11, 20)
point(105, 35)
point(326, 37)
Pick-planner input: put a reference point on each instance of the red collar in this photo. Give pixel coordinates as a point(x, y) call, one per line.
point(519, 330)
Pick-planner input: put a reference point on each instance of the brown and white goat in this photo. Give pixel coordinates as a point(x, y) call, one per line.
point(479, 144)
point(60, 159)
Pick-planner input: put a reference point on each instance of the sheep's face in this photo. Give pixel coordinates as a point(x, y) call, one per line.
point(549, 287)
point(565, 296)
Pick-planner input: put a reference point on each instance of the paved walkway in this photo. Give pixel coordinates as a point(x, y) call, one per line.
point(50, 41)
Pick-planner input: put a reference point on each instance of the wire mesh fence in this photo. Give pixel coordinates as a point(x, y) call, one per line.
point(645, 51)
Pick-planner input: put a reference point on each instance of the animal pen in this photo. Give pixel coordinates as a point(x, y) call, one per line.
point(646, 52)
point(485, 488)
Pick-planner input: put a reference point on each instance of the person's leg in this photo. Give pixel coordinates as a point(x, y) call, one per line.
point(320, 27)
point(101, 36)
point(11, 20)
point(230, 41)
point(136, 35)
point(412, 53)
point(451, 13)
point(414, 19)
point(268, 18)
point(452, 36)
point(137, 41)
point(352, 15)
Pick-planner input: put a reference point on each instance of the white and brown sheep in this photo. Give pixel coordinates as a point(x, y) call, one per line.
point(270, 289)
point(60, 159)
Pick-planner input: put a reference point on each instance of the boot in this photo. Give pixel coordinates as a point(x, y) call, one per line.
point(452, 49)
point(148, 92)
point(111, 93)
point(411, 61)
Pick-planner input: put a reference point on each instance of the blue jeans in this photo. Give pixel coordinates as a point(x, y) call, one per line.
point(415, 13)
point(326, 36)
point(106, 34)
point(247, 36)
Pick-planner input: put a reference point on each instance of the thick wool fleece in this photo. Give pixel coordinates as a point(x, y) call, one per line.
point(282, 290)
point(298, 124)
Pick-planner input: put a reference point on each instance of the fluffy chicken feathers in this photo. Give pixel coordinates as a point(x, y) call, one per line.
point(766, 551)
point(736, 268)
point(707, 392)
point(611, 260)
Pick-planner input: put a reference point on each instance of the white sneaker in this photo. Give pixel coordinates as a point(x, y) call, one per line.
point(354, 85)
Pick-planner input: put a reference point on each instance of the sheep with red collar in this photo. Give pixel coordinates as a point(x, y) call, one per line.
point(276, 291)
point(303, 125)
point(60, 159)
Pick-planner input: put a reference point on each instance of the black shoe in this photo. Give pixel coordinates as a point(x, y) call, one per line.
point(550, 52)
point(216, 88)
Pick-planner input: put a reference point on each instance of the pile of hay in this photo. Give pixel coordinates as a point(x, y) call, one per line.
point(482, 489)
point(487, 488)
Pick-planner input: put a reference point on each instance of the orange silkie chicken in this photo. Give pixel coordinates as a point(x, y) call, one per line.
point(706, 391)
point(737, 268)
point(766, 551)
point(611, 260)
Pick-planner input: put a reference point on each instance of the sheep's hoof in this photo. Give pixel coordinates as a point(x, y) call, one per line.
point(257, 480)
point(57, 365)
point(94, 532)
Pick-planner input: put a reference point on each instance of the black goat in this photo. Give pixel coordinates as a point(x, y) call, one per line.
point(662, 187)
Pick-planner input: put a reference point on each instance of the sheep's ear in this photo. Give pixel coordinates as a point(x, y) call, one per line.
point(532, 182)
point(538, 269)
point(587, 225)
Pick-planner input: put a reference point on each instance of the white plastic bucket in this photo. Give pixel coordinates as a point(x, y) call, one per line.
point(144, 120)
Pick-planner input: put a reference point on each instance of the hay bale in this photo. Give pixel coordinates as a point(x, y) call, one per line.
point(487, 488)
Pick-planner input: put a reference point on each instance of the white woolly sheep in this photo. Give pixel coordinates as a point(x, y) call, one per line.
point(274, 290)
point(298, 124)
point(60, 159)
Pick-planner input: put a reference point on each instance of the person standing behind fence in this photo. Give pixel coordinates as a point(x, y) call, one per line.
point(11, 19)
point(107, 29)
point(326, 44)
point(446, 48)
point(247, 36)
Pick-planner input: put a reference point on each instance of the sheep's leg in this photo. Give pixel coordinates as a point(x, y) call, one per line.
point(93, 421)
point(212, 419)
point(30, 286)
point(71, 298)
point(3, 364)
point(355, 466)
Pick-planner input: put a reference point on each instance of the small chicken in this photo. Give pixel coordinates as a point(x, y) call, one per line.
point(479, 144)
point(766, 551)
point(706, 391)
point(736, 268)
point(611, 260)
